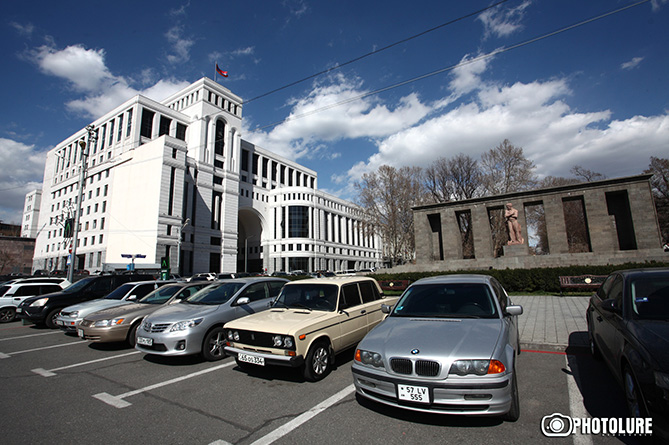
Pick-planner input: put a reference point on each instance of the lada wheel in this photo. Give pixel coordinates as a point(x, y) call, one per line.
point(318, 363)
point(7, 314)
point(213, 344)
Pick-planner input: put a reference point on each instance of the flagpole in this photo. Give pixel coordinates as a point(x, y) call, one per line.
point(215, 72)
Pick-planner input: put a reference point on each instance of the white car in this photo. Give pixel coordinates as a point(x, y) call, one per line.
point(11, 295)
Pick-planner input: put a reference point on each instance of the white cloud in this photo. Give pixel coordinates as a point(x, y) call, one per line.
point(23, 29)
point(501, 21)
point(23, 170)
point(87, 73)
point(632, 63)
point(335, 111)
point(180, 45)
point(84, 68)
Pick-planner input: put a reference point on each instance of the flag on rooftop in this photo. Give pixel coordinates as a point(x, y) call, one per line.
point(221, 72)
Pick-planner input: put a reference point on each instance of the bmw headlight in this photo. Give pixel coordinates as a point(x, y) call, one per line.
point(477, 367)
point(39, 303)
point(369, 358)
point(108, 323)
point(183, 325)
point(282, 341)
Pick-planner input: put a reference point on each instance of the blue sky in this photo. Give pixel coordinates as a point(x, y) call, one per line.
point(596, 95)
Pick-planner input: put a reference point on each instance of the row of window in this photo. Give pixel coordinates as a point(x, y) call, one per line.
point(57, 246)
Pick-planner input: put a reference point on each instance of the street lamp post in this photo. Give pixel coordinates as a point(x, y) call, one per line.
point(92, 138)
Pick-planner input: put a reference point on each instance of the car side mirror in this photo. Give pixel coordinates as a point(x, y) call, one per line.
point(514, 310)
point(243, 300)
point(611, 305)
point(385, 308)
point(132, 298)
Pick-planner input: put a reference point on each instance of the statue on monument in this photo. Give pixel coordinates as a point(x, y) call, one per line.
point(513, 226)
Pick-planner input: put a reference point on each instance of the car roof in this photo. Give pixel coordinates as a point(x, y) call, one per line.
point(338, 281)
point(643, 271)
point(455, 278)
point(251, 280)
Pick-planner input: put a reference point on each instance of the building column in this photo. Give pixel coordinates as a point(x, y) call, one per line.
point(481, 232)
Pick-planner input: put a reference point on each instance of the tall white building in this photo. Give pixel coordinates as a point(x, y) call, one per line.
point(175, 179)
point(29, 228)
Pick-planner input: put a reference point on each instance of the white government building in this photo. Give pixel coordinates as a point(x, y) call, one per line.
point(175, 179)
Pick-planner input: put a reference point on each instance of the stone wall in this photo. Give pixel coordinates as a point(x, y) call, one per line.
point(619, 217)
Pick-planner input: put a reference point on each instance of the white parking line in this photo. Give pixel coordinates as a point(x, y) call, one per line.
point(118, 402)
point(576, 406)
point(51, 372)
point(10, 354)
point(31, 335)
point(304, 417)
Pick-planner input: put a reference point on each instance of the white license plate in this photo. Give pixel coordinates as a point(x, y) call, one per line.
point(419, 394)
point(60, 323)
point(251, 359)
point(144, 341)
point(80, 333)
point(19, 310)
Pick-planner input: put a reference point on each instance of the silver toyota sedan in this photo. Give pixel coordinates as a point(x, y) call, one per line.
point(448, 346)
point(195, 326)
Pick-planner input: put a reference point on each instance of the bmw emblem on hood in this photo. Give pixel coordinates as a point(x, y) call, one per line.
point(415, 351)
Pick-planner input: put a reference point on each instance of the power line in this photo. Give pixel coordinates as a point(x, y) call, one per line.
point(338, 66)
point(452, 67)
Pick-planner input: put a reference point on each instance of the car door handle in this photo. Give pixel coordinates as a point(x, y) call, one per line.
point(364, 311)
point(599, 318)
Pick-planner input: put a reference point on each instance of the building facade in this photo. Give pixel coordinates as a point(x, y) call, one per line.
point(29, 227)
point(174, 179)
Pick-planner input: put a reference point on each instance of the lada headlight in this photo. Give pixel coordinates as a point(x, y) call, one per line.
point(108, 323)
point(477, 367)
point(282, 341)
point(369, 358)
point(39, 303)
point(233, 335)
point(183, 325)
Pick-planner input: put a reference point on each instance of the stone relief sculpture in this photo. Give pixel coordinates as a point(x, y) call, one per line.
point(513, 226)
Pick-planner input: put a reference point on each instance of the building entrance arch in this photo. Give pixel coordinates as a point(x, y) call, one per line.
point(249, 242)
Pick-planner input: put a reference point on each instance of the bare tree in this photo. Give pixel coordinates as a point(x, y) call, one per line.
point(586, 175)
point(453, 179)
point(659, 168)
point(505, 169)
point(387, 197)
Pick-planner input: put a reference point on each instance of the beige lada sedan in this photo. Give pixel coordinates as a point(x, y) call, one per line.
point(310, 322)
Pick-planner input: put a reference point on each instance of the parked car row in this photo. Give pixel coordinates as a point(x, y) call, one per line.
point(447, 345)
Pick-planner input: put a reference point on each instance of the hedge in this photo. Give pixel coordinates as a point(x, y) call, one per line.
point(526, 280)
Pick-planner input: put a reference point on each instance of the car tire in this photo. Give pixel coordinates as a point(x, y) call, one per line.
point(318, 363)
point(50, 320)
point(132, 334)
point(212, 346)
point(514, 411)
point(7, 314)
point(633, 396)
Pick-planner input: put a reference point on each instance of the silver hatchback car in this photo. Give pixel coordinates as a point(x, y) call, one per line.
point(448, 346)
point(195, 326)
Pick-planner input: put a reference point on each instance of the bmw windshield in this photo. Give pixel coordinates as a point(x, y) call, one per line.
point(447, 300)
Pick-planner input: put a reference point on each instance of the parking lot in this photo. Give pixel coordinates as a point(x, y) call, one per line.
point(60, 389)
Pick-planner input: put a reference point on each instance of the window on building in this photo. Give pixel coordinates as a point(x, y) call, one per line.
point(120, 128)
point(245, 160)
point(129, 126)
point(181, 132)
point(164, 127)
point(219, 142)
point(111, 132)
point(146, 128)
point(298, 222)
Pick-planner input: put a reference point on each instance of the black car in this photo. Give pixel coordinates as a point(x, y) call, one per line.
point(42, 310)
point(628, 326)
